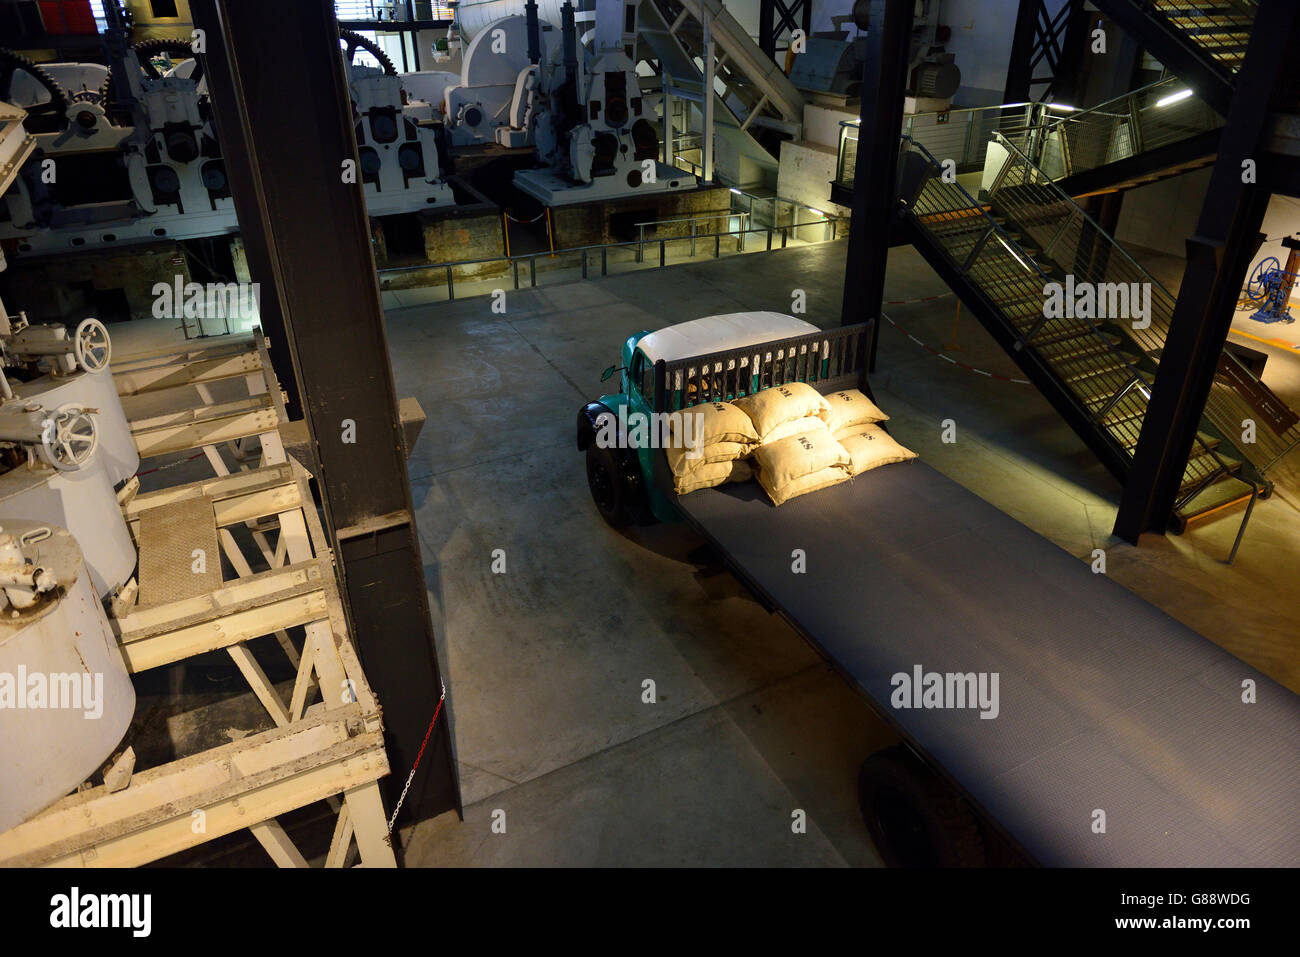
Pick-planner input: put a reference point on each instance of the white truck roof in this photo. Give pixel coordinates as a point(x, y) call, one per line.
point(718, 333)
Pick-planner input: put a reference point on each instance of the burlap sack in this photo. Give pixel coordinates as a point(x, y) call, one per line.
point(712, 475)
point(782, 463)
point(741, 471)
point(852, 407)
point(715, 422)
point(809, 423)
point(781, 404)
point(870, 446)
point(681, 463)
point(812, 482)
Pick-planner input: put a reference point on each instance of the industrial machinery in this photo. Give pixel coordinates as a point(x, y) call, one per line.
point(531, 79)
point(65, 444)
point(133, 158)
point(831, 62)
point(66, 698)
point(397, 138)
point(1270, 285)
point(129, 153)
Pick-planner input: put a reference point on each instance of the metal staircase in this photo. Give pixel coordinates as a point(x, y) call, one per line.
point(1151, 133)
point(753, 99)
point(1097, 371)
point(1203, 41)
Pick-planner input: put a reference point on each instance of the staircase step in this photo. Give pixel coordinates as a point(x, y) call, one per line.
point(1074, 347)
point(1202, 463)
point(1080, 371)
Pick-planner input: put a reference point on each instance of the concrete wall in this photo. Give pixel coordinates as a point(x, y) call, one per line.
point(806, 173)
point(1162, 215)
point(63, 288)
point(610, 222)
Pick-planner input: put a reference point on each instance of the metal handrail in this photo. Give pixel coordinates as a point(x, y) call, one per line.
point(1223, 408)
point(1018, 251)
point(1063, 196)
point(531, 258)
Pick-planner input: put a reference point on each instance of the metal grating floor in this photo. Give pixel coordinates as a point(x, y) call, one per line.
point(179, 554)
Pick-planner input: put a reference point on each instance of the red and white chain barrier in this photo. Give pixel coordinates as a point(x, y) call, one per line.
point(423, 744)
point(947, 358)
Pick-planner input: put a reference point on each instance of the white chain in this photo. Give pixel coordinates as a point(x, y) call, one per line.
point(411, 777)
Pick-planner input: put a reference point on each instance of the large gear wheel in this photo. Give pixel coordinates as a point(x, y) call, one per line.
point(43, 117)
point(355, 40)
point(178, 49)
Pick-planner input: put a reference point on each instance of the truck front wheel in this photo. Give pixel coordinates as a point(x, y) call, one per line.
point(608, 490)
point(914, 817)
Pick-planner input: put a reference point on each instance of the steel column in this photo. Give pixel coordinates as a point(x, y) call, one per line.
point(1217, 259)
point(306, 232)
point(875, 200)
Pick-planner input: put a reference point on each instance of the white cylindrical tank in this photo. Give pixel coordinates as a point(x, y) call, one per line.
point(473, 16)
point(91, 390)
point(66, 698)
point(84, 502)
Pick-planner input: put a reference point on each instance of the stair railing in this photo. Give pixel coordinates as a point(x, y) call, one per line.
point(1077, 244)
point(957, 203)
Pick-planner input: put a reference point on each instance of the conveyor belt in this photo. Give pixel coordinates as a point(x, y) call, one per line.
point(1106, 702)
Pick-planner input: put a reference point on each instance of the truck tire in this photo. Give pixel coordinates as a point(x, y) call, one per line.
point(914, 817)
point(608, 490)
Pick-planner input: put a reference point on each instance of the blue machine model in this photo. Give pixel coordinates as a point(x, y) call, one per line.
point(1270, 285)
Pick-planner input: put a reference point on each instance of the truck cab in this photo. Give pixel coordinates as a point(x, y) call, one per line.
point(621, 476)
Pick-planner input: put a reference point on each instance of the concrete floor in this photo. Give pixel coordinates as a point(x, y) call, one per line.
point(547, 661)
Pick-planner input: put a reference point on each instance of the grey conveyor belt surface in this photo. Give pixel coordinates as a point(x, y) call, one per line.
point(1105, 702)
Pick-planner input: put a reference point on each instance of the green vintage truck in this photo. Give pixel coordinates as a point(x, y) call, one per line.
point(904, 578)
point(671, 369)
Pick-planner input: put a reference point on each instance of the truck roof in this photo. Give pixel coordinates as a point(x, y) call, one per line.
point(734, 330)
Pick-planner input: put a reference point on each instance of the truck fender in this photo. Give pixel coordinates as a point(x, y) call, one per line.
point(629, 467)
point(589, 423)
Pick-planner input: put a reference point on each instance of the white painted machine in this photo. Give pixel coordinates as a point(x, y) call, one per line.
point(65, 443)
point(397, 143)
point(66, 698)
point(530, 79)
point(134, 157)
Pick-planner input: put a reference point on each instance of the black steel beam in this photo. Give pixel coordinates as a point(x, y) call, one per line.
point(1020, 69)
point(1218, 257)
point(1280, 174)
point(767, 27)
point(1173, 49)
point(776, 17)
point(1146, 163)
point(875, 199)
point(307, 236)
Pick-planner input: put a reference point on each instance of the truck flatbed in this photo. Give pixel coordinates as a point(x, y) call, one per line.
point(1105, 702)
point(1117, 736)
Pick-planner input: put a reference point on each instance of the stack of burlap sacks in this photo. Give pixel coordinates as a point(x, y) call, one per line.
point(797, 441)
point(714, 450)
